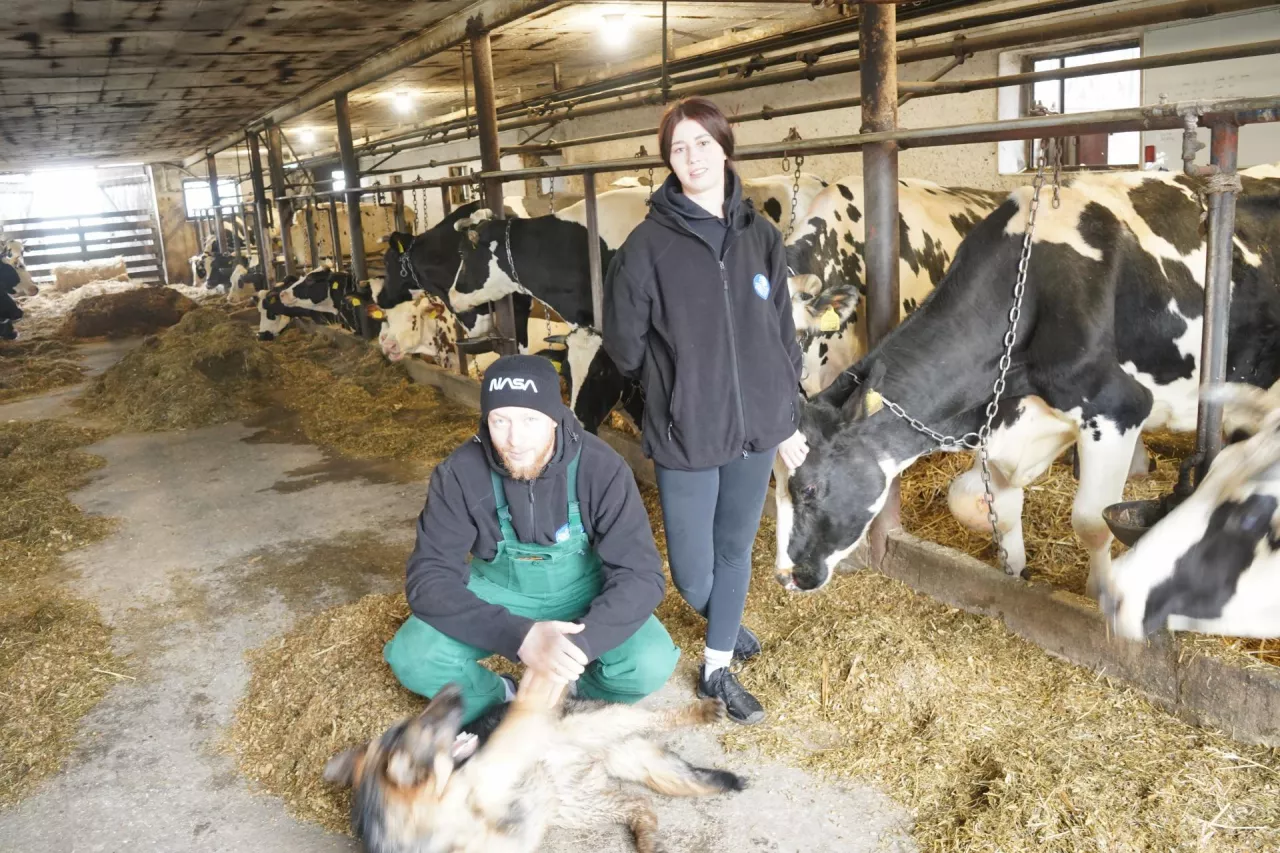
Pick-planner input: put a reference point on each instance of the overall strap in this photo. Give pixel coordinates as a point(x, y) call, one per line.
point(575, 513)
point(504, 512)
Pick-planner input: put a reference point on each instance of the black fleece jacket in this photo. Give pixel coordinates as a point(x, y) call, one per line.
point(461, 518)
point(708, 333)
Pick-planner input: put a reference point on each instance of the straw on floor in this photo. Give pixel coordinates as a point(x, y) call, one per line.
point(56, 661)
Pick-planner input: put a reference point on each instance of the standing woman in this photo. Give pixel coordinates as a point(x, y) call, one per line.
point(697, 307)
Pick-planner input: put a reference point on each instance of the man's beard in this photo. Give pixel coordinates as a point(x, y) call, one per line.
point(531, 470)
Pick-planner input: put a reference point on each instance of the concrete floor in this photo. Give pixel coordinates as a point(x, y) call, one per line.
point(211, 560)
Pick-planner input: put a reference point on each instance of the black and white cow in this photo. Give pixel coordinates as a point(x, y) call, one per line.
point(1108, 345)
point(10, 313)
point(1212, 565)
point(828, 279)
point(319, 296)
point(546, 257)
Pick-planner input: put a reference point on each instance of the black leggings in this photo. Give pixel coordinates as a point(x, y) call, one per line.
point(712, 517)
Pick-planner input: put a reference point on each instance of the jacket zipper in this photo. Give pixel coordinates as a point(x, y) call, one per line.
point(733, 343)
point(733, 350)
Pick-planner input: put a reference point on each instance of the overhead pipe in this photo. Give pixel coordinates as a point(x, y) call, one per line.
point(435, 39)
point(1240, 111)
point(975, 44)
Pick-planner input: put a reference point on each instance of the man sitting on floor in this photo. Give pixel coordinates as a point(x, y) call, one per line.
point(564, 574)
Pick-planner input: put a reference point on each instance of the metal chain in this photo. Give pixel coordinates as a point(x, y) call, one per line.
point(419, 205)
point(795, 197)
point(650, 182)
point(511, 262)
point(981, 438)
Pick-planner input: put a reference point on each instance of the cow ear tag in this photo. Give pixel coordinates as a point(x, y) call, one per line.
point(874, 402)
point(829, 321)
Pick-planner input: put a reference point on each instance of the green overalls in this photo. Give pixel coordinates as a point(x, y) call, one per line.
point(544, 583)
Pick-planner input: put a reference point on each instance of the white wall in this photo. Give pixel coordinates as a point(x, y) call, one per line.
point(1253, 77)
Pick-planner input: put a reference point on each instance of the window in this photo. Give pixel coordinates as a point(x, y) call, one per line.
point(198, 198)
point(1118, 90)
point(460, 195)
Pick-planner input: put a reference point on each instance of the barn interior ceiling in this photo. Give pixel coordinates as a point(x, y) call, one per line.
point(109, 81)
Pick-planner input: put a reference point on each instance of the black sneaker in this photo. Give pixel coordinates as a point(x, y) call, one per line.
point(740, 705)
point(747, 645)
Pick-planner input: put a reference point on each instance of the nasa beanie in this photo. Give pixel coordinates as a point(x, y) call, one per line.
point(527, 381)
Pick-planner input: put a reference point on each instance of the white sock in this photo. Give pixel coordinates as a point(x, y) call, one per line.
point(713, 660)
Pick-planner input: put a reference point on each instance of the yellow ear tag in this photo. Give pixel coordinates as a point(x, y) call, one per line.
point(557, 366)
point(874, 402)
point(377, 315)
point(829, 321)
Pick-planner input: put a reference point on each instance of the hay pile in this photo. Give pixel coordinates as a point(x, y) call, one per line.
point(69, 276)
point(205, 370)
point(46, 311)
point(55, 658)
point(30, 367)
point(352, 400)
point(131, 313)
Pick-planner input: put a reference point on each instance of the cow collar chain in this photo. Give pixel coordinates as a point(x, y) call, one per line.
point(511, 262)
point(980, 439)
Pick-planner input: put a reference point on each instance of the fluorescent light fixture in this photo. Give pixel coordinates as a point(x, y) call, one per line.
point(615, 30)
point(403, 102)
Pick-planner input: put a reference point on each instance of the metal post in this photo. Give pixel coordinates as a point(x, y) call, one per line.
point(1224, 142)
point(593, 251)
point(199, 223)
point(491, 161)
point(266, 256)
point(243, 243)
point(879, 80)
point(397, 206)
point(445, 204)
point(235, 231)
point(275, 162)
point(211, 171)
point(666, 77)
point(313, 252)
point(335, 231)
point(351, 174)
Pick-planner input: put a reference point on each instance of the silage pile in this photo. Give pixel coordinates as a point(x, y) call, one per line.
point(46, 311)
point(55, 654)
point(32, 366)
point(205, 370)
point(131, 313)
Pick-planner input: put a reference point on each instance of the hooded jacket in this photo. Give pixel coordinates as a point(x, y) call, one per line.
point(461, 518)
point(708, 333)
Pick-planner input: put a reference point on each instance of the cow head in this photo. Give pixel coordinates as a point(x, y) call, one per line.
point(399, 277)
point(398, 780)
point(272, 309)
point(843, 483)
point(425, 325)
point(1210, 564)
point(484, 273)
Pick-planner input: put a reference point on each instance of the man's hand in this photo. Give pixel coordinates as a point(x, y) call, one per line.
point(794, 450)
point(539, 690)
point(548, 650)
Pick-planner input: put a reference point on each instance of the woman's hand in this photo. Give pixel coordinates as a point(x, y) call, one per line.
point(794, 450)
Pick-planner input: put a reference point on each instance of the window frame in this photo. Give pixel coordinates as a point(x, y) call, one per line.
point(230, 201)
point(1027, 101)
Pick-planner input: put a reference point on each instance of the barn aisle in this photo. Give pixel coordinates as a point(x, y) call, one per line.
point(226, 536)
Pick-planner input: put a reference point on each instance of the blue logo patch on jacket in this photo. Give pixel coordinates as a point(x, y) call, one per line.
point(761, 285)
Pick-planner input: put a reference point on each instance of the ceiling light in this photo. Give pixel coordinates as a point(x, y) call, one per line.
point(403, 102)
point(615, 30)
point(308, 137)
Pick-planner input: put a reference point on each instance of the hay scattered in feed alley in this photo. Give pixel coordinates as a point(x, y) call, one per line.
point(205, 370)
point(989, 742)
point(34, 366)
point(55, 653)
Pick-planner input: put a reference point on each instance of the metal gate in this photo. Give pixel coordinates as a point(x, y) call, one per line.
point(127, 234)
